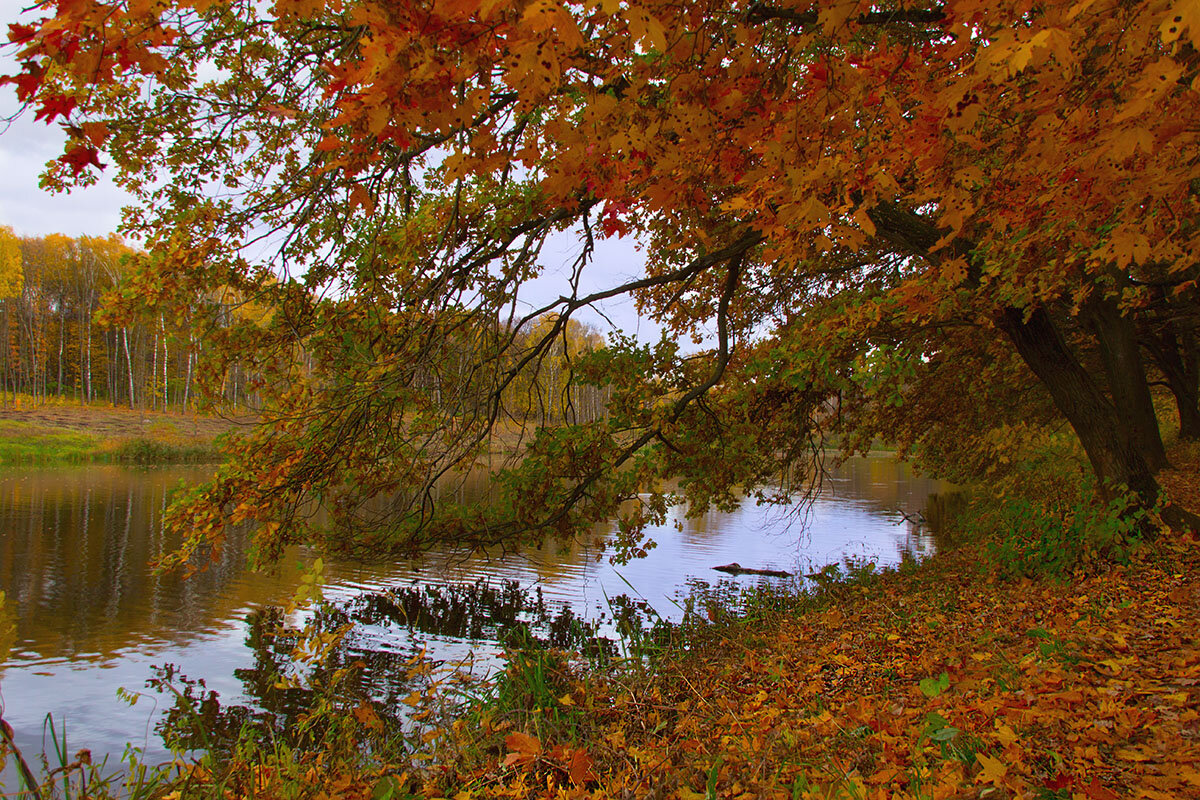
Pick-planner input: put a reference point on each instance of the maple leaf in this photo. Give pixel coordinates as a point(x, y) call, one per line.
point(1184, 15)
point(523, 749)
point(80, 157)
point(94, 132)
point(1060, 781)
point(1095, 791)
point(993, 771)
point(18, 33)
point(55, 106)
point(580, 769)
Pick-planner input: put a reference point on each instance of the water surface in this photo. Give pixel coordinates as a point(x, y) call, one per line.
point(91, 616)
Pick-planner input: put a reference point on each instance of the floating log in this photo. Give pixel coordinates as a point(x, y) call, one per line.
point(737, 569)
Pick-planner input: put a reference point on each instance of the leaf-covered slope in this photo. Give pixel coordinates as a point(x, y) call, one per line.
point(929, 684)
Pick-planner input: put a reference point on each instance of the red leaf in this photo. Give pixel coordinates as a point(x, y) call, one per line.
point(58, 105)
point(1059, 781)
point(27, 82)
point(79, 157)
point(20, 33)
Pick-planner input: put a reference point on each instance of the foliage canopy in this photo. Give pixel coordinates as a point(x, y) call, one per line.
point(981, 209)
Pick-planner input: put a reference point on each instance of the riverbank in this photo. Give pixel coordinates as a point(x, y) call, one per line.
point(934, 682)
point(70, 433)
point(956, 677)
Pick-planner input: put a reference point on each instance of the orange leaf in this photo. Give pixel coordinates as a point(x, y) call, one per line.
point(993, 771)
point(581, 768)
point(1095, 791)
point(523, 744)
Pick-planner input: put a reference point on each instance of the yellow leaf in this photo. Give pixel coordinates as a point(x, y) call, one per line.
point(954, 271)
point(993, 770)
point(1129, 754)
point(1184, 15)
point(567, 700)
point(1006, 735)
point(645, 28)
point(865, 222)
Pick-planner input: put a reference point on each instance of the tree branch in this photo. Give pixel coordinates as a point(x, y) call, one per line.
point(760, 13)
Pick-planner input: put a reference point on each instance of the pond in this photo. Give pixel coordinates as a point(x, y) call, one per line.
point(92, 617)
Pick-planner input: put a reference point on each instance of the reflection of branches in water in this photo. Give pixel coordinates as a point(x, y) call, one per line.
point(368, 665)
point(478, 612)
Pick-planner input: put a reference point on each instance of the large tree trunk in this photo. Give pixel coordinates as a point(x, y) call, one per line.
point(1127, 384)
point(1116, 454)
point(1177, 357)
point(1115, 457)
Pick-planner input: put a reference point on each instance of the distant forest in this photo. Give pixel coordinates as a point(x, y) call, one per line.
point(54, 344)
point(59, 344)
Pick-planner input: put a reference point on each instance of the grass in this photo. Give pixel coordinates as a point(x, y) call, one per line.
point(29, 443)
point(152, 451)
point(23, 443)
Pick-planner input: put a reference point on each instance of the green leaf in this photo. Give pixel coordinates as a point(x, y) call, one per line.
point(385, 789)
point(932, 687)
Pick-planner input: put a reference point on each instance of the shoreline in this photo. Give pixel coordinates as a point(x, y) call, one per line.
point(66, 433)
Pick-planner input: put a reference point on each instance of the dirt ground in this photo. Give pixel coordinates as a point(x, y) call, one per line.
point(121, 423)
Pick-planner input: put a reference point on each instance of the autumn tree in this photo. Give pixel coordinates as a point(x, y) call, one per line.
point(839, 193)
point(57, 343)
point(10, 264)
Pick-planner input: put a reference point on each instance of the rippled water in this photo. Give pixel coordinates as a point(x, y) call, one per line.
point(75, 545)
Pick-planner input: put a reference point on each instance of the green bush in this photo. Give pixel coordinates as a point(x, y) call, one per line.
point(149, 451)
point(1028, 537)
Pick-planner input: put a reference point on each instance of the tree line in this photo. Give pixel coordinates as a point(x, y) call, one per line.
point(63, 341)
point(59, 342)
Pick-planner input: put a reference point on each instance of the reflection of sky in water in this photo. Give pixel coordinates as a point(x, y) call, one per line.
point(91, 617)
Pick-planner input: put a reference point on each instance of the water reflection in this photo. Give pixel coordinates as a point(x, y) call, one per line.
point(76, 544)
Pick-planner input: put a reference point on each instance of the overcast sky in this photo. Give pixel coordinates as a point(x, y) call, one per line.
point(24, 147)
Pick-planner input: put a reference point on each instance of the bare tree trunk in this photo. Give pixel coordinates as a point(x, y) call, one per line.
point(62, 341)
point(166, 360)
point(88, 357)
point(153, 382)
point(7, 360)
point(187, 381)
point(128, 363)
